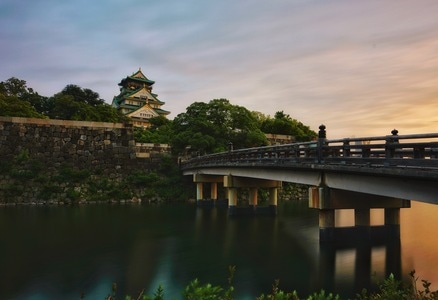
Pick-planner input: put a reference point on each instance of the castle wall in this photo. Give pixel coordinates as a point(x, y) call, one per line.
point(35, 153)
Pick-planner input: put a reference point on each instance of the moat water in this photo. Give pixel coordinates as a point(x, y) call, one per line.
point(62, 252)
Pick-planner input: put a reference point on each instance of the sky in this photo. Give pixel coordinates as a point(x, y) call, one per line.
point(362, 68)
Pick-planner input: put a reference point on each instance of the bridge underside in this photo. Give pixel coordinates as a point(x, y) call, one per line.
point(329, 192)
point(356, 180)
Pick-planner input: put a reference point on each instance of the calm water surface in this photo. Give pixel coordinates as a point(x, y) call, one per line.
point(65, 252)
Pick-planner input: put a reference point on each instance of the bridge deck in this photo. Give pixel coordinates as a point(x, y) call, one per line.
point(404, 166)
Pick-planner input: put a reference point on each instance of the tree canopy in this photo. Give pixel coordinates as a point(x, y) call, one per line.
point(159, 132)
point(210, 127)
point(283, 124)
point(17, 100)
point(72, 103)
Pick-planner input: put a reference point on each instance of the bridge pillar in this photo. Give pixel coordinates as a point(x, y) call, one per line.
point(253, 184)
point(326, 225)
point(253, 197)
point(199, 191)
point(392, 221)
point(328, 200)
point(232, 200)
point(273, 198)
point(213, 180)
point(213, 191)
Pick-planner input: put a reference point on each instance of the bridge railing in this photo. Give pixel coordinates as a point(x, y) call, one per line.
point(413, 151)
point(417, 150)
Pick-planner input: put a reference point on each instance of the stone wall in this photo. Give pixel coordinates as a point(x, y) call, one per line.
point(39, 153)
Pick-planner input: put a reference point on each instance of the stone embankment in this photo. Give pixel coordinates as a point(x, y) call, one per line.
point(54, 161)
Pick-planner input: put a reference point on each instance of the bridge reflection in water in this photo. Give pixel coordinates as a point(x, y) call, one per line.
point(359, 264)
point(286, 247)
point(339, 265)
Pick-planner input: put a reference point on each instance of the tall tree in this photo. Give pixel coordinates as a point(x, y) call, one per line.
point(14, 87)
point(18, 88)
point(283, 124)
point(11, 106)
point(160, 131)
point(76, 103)
point(210, 127)
point(83, 95)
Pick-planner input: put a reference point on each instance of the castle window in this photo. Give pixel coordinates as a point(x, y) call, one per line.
point(146, 115)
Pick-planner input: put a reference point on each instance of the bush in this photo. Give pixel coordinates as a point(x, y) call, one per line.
point(389, 289)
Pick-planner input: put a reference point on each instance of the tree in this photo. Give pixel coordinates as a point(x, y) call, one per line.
point(83, 95)
point(160, 131)
point(210, 127)
point(75, 103)
point(14, 87)
point(66, 107)
point(17, 88)
point(283, 124)
point(11, 106)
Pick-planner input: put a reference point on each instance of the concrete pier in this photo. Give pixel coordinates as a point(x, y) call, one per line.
point(212, 180)
point(329, 200)
point(234, 183)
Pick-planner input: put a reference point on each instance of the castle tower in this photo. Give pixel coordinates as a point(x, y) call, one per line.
point(137, 101)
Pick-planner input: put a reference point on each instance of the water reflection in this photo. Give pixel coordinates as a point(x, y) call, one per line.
point(350, 267)
point(61, 252)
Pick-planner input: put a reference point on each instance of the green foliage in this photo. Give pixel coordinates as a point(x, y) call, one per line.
point(278, 294)
point(106, 190)
point(73, 194)
point(72, 103)
point(68, 173)
point(209, 127)
point(10, 191)
point(393, 289)
point(5, 166)
point(323, 296)
point(143, 179)
point(66, 107)
point(23, 168)
point(160, 131)
point(196, 291)
point(389, 289)
point(75, 103)
point(22, 156)
point(14, 87)
point(48, 191)
point(11, 106)
point(83, 95)
point(283, 124)
point(17, 100)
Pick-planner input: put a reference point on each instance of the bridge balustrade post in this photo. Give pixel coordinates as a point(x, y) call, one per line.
point(346, 148)
point(390, 142)
point(419, 152)
point(322, 136)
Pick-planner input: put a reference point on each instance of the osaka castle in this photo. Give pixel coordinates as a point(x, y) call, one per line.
point(137, 101)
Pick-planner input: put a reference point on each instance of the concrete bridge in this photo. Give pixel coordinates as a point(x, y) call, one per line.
point(352, 173)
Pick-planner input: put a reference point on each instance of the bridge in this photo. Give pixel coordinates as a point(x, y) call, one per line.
point(351, 173)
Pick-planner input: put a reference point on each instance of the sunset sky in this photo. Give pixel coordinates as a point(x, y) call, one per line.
point(360, 67)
